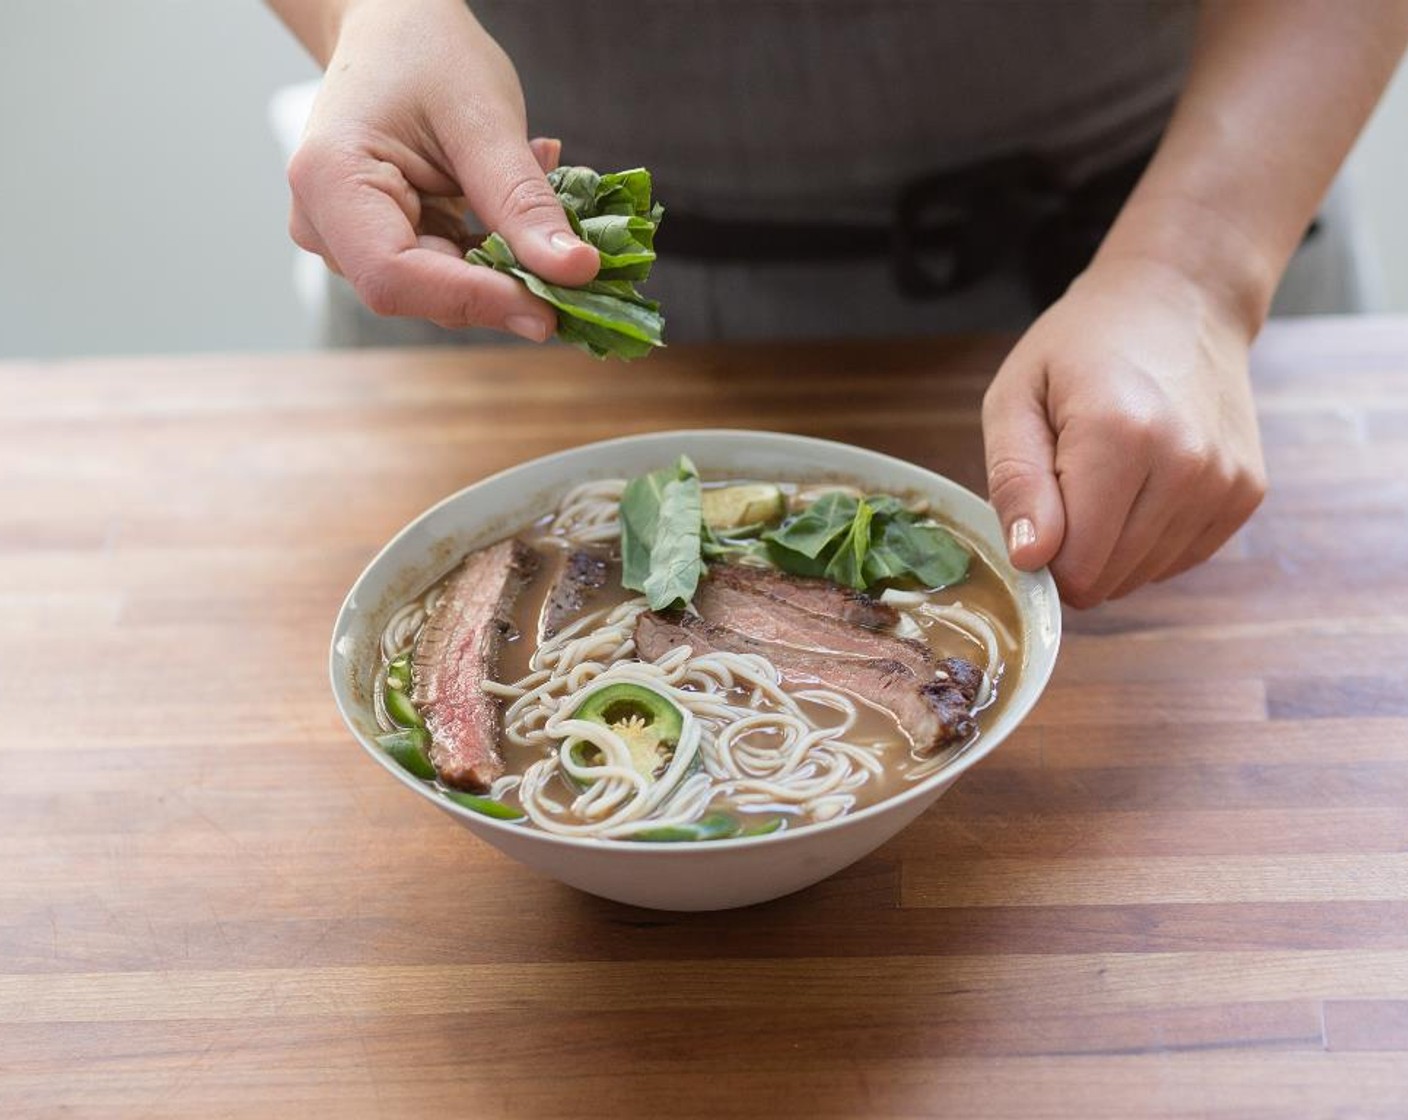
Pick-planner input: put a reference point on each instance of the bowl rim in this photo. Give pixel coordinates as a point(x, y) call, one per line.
point(939, 779)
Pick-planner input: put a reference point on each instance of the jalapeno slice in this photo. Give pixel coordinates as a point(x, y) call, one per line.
point(647, 722)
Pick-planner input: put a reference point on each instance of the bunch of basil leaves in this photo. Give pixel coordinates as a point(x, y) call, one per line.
point(615, 214)
point(856, 542)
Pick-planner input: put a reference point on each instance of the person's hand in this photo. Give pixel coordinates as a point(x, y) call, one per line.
point(419, 104)
point(1122, 443)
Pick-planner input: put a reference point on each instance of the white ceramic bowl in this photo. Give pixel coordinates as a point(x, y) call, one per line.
point(701, 876)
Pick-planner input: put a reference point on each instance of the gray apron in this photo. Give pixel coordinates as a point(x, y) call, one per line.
point(824, 110)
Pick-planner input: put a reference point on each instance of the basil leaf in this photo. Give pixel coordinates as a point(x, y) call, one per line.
point(661, 518)
point(890, 555)
point(811, 531)
point(638, 319)
point(626, 192)
point(796, 563)
point(599, 341)
point(620, 313)
point(640, 513)
point(626, 244)
point(804, 543)
point(847, 565)
point(615, 214)
point(886, 505)
point(910, 548)
point(675, 559)
point(931, 553)
point(493, 252)
point(576, 188)
point(715, 547)
point(863, 543)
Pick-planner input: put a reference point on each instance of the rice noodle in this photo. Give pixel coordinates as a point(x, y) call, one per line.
point(976, 627)
point(405, 624)
point(762, 749)
point(402, 629)
point(590, 513)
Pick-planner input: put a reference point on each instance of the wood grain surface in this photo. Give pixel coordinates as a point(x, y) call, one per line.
point(1180, 890)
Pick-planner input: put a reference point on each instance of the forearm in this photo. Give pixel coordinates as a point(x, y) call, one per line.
point(315, 23)
point(1277, 93)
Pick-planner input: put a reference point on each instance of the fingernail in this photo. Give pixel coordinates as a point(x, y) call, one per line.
point(563, 241)
point(527, 326)
point(1021, 535)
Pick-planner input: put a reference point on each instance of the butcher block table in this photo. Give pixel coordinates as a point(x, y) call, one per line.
point(1180, 889)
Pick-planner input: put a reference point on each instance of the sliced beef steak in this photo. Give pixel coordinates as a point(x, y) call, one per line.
point(726, 601)
point(933, 713)
point(951, 696)
point(820, 596)
point(457, 651)
point(583, 572)
point(963, 675)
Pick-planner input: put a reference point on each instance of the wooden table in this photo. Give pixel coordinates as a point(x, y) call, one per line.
point(1180, 890)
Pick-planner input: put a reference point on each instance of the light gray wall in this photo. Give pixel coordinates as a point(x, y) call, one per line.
point(1379, 180)
point(142, 201)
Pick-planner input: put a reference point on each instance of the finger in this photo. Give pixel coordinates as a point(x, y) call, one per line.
point(1102, 467)
point(457, 319)
point(1177, 537)
point(1022, 486)
point(1232, 515)
point(509, 192)
point(547, 151)
point(1244, 497)
point(301, 230)
point(359, 206)
point(1170, 511)
point(1202, 549)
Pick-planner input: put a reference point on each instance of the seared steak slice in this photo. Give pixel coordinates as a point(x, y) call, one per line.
point(735, 604)
point(963, 675)
point(457, 651)
point(952, 695)
point(583, 572)
point(932, 713)
point(820, 596)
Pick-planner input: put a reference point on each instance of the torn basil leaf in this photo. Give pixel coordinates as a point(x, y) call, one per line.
point(864, 542)
point(661, 523)
point(918, 550)
point(812, 531)
point(615, 214)
point(847, 564)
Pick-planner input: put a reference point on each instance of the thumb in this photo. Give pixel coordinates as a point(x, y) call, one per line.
point(509, 192)
point(547, 151)
point(1021, 462)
